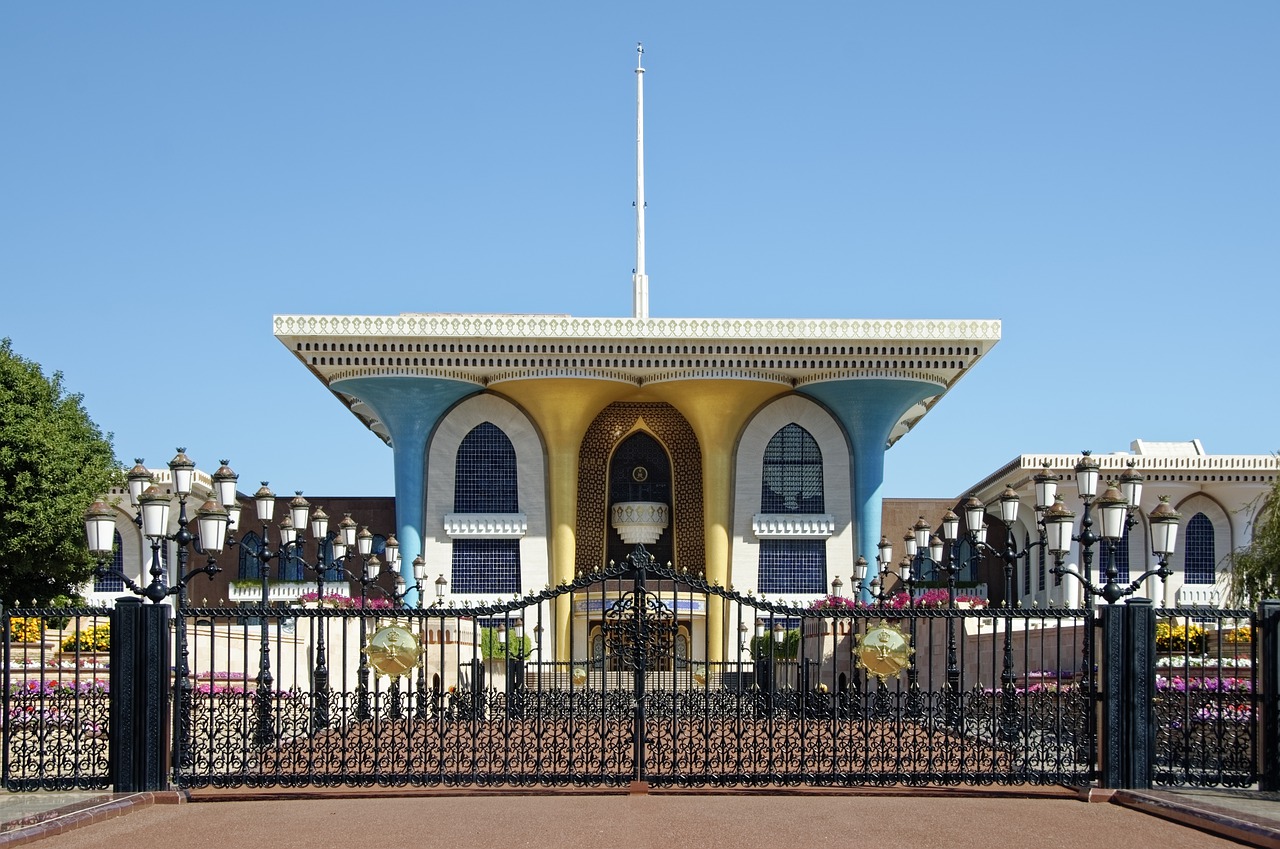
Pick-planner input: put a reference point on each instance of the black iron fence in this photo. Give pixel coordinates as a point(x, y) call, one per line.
point(57, 691)
point(653, 677)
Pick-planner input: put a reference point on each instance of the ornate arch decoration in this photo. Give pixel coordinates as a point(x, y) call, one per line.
point(614, 424)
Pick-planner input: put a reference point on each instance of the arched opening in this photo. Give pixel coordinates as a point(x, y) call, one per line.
point(640, 473)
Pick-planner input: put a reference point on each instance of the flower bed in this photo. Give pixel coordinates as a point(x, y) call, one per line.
point(343, 602)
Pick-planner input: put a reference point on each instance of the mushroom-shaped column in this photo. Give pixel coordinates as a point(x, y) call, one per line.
point(408, 408)
point(869, 409)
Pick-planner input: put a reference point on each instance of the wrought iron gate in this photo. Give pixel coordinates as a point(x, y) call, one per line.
point(635, 673)
point(639, 672)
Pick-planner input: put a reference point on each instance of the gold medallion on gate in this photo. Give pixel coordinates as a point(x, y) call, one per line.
point(883, 650)
point(393, 650)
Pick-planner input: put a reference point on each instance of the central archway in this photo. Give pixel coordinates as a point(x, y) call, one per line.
point(655, 431)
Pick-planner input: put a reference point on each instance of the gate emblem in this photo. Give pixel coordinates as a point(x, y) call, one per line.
point(638, 630)
point(884, 651)
point(393, 650)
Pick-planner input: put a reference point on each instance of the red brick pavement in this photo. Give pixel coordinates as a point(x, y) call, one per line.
point(954, 820)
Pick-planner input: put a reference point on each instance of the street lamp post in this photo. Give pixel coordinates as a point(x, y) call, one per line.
point(264, 501)
point(370, 569)
point(1118, 506)
point(975, 513)
point(875, 589)
point(212, 519)
point(941, 557)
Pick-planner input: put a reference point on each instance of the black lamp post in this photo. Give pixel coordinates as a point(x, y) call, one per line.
point(152, 516)
point(264, 501)
point(292, 549)
point(1118, 507)
point(212, 519)
point(975, 513)
point(941, 557)
point(370, 568)
point(876, 589)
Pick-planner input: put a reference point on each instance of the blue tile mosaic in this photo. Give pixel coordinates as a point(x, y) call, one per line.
point(485, 566)
point(793, 566)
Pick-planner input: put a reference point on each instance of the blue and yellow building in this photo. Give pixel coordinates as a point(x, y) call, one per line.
point(532, 448)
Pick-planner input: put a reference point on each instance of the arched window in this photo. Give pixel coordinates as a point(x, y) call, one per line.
point(1026, 574)
point(1198, 558)
point(291, 568)
point(792, 473)
point(250, 545)
point(485, 481)
point(791, 482)
point(331, 573)
point(1040, 570)
point(112, 583)
point(485, 472)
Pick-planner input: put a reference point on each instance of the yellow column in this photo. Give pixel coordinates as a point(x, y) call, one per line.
point(563, 410)
point(717, 410)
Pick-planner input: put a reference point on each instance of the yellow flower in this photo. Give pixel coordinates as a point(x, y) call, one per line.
point(96, 638)
point(26, 629)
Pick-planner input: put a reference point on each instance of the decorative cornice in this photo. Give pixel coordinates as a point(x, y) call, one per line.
point(793, 525)
point(1196, 467)
point(570, 327)
point(486, 525)
point(485, 350)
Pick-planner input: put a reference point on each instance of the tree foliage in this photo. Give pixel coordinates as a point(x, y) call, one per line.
point(53, 462)
point(492, 648)
point(1255, 569)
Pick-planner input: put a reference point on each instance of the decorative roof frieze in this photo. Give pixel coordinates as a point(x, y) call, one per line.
point(570, 327)
point(793, 525)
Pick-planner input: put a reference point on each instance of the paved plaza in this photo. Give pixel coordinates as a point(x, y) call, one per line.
point(956, 820)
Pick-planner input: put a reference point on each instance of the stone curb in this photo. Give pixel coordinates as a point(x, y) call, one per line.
point(1223, 822)
point(59, 820)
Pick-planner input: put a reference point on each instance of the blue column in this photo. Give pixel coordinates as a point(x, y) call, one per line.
point(868, 410)
point(409, 407)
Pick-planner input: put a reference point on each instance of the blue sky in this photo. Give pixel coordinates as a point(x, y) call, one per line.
point(1102, 177)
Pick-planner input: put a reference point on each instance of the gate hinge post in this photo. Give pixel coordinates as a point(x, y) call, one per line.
point(1269, 658)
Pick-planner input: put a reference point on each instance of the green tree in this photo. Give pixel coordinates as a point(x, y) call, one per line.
point(765, 646)
point(53, 462)
point(492, 648)
point(1255, 569)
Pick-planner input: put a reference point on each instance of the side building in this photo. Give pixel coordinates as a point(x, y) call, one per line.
point(1218, 497)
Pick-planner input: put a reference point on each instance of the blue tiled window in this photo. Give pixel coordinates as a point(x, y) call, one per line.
point(791, 482)
point(793, 566)
point(485, 472)
point(1198, 558)
point(112, 583)
point(792, 473)
point(486, 566)
point(485, 481)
